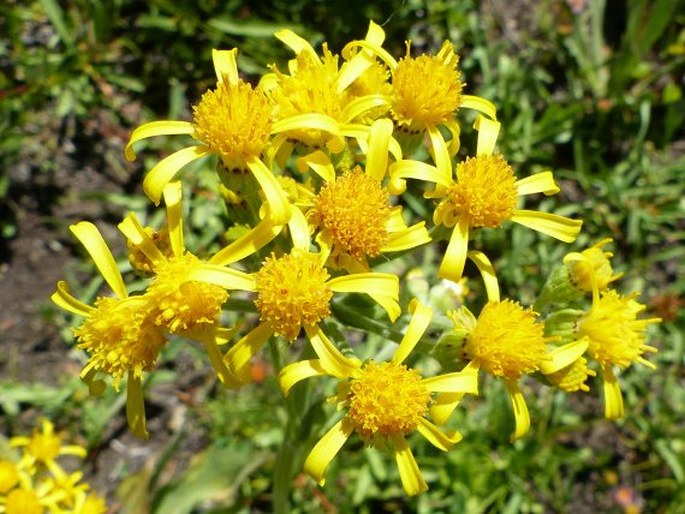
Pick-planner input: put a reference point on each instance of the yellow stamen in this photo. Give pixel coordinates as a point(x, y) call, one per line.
point(572, 378)
point(387, 399)
point(183, 305)
point(234, 121)
point(617, 337)
point(292, 292)
point(426, 89)
point(485, 193)
point(353, 210)
point(506, 341)
point(120, 336)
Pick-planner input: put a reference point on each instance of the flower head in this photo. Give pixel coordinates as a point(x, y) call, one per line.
point(595, 265)
point(482, 193)
point(292, 292)
point(426, 90)
point(234, 122)
point(383, 401)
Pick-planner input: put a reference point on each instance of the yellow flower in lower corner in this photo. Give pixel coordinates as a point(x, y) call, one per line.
point(482, 193)
point(384, 401)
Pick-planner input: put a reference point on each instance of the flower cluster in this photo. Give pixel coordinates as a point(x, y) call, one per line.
point(317, 159)
point(32, 481)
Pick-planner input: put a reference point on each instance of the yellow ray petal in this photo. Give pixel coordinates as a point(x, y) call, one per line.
point(389, 305)
point(326, 449)
point(135, 406)
point(377, 156)
point(462, 382)
point(134, 232)
point(63, 298)
point(250, 243)
point(279, 206)
point(320, 164)
point(488, 130)
point(95, 245)
point(334, 362)
point(298, 371)
point(410, 237)
point(410, 475)
point(487, 271)
point(299, 230)
point(559, 227)
point(538, 183)
point(156, 128)
point(564, 355)
point(452, 265)
point(375, 49)
point(225, 65)
point(440, 153)
point(307, 121)
point(418, 170)
point(238, 357)
point(480, 105)
point(454, 143)
point(228, 278)
point(216, 359)
point(296, 43)
point(174, 219)
point(521, 415)
point(443, 406)
point(362, 105)
point(421, 318)
point(165, 170)
point(438, 438)
point(395, 222)
point(358, 63)
point(385, 284)
point(613, 399)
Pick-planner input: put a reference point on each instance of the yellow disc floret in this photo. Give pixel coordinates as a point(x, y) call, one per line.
point(485, 192)
point(353, 211)
point(572, 378)
point(120, 336)
point(507, 341)
point(292, 292)
point(234, 121)
point(426, 89)
point(23, 501)
point(182, 305)
point(387, 399)
point(616, 336)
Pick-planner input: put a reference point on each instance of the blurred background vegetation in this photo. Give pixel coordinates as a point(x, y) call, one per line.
point(592, 89)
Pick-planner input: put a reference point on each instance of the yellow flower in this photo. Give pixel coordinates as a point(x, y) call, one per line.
point(614, 334)
point(596, 264)
point(384, 401)
point(353, 212)
point(182, 305)
point(315, 104)
point(233, 122)
point(118, 333)
point(483, 193)
point(506, 341)
point(294, 292)
point(426, 93)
